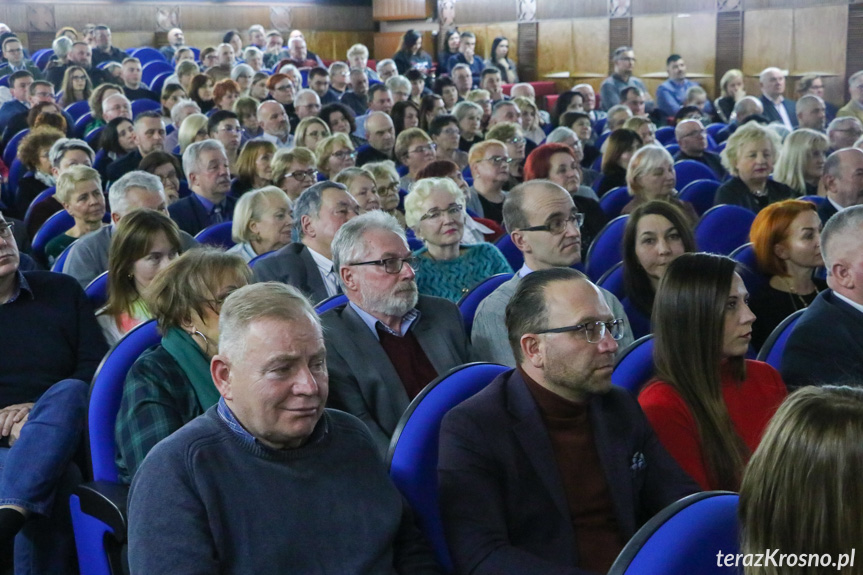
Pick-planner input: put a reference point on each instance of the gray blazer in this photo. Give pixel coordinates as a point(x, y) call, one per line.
point(293, 265)
point(489, 340)
point(364, 382)
point(88, 256)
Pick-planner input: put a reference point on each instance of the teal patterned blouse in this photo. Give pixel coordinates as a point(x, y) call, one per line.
point(453, 278)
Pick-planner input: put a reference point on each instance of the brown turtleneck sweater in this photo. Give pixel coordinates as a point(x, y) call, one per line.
point(588, 496)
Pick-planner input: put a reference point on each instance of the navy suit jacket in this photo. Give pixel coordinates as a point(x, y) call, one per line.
point(826, 211)
point(191, 217)
point(826, 345)
point(771, 114)
point(503, 504)
point(293, 265)
point(122, 166)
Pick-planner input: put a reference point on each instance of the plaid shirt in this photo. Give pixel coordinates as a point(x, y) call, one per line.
point(158, 399)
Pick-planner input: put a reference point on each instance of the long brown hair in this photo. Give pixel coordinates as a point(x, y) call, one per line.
point(689, 322)
point(802, 492)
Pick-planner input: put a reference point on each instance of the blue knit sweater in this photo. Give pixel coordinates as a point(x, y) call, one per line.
point(453, 278)
point(208, 500)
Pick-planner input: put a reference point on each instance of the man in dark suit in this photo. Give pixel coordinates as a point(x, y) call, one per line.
point(319, 212)
point(551, 469)
point(692, 139)
point(206, 167)
point(387, 343)
point(843, 180)
point(826, 345)
point(13, 53)
point(777, 108)
point(81, 54)
point(150, 136)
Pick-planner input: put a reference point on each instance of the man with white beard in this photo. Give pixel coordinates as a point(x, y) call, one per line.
point(387, 343)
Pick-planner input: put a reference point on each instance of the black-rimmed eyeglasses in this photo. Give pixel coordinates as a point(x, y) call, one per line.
point(390, 265)
point(593, 331)
point(558, 225)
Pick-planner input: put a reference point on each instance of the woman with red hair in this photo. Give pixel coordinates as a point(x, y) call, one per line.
point(786, 237)
point(225, 93)
point(558, 163)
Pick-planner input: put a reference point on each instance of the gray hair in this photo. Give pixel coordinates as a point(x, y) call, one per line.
point(459, 67)
point(848, 221)
point(619, 52)
point(768, 70)
point(267, 300)
point(337, 66)
point(118, 194)
point(385, 61)
point(837, 123)
point(63, 145)
point(192, 155)
point(420, 192)
point(808, 101)
point(560, 135)
point(348, 244)
point(309, 203)
point(61, 46)
point(180, 107)
point(257, 27)
point(461, 109)
point(240, 68)
point(748, 106)
point(855, 79)
point(398, 81)
point(253, 50)
point(250, 208)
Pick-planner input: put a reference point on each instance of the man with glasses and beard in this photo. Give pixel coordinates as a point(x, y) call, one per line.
point(387, 343)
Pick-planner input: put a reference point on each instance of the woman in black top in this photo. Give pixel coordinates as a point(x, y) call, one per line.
point(786, 237)
point(411, 55)
point(620, 147)
point(451, 41)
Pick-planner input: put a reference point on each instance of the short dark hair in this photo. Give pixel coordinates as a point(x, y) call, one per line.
point(18, 75)
point(438, 123)
point(488, 71)
point(624, 94)
point(673, 58)
point(219, 117)
point(148, 114)
point(375, 88)
point(414, 74)
point(318, 71)
point(526, 312)
point(567, 119)
point(441, 83)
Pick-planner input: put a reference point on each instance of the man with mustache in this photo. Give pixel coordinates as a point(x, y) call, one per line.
point(270, 457)
point(387, 343)
point(206, 167)
point(551, 469)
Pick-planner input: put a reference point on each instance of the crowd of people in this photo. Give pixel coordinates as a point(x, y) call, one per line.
point(387, 184)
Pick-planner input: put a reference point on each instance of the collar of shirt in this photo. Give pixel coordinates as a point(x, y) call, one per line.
point(286, 143)
point(21, 285)
point(235, 426)
point(524, 271)
point(835, 205)
point(208, 205)
point(372, 322)
point(852, 303)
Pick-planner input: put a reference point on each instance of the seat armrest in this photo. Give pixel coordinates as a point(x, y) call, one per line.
point(106, 502)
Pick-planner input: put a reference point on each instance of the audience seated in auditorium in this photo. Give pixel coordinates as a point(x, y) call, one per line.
point(15, 59)
point(79, 190)
point(619, 148)
point(34, 153)
point(411, 55)
point(825, 346)
point(360, 184)
point(51, 349)
point(357, 99)
point(511, 134)
point(298, 54)
point(709, 405)
point(749, 158)
point(731, 88)
point(81, 55)
point(623, 60)
point(449, 42)
point(635, 99)
point(380, 100)
point(642, 126)
point(656, 233)
point(414, 149)
point(246, 109)
point(170, 384)
point(469, 115)
point(531, 121)
point(844, 132)
point(747, 109)
point(145, 243)
point(167, 167)
point(341, 119)
point(206, 167)
point(671, 94)
point(243, 449)
point(224, 127)
point(307, 104)
point(262, 222)
point(319, 212)
point(801, 161)
point(568, 138)
point(294, 171)
point(543, 223)
point(444, 267)
point(104, 49)
point(40, 92)
point(388, 342)
point(226, 55)
point(176, 40)
point(339, 78)
point(786, 240)
point(133, 88)
point(777, 108)
point(854, 107)
point(812, 440)
point(811, 113)
point(149, 137)
point(813, 84)
point(89, 256)
point(254, 167)
point(692, 139)
point(381, 135)
point(651, 176)
point(551, 468)
point(19, 89)
point(102, 111)
point(225, 93)
point(116, 140)
point(201, 92)
point(467, 55)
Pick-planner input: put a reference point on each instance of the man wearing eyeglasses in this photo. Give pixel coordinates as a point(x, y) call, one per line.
point(544, 225)
point(13, 53)
point(224, 126)
point(149, 136)
point(387, 343)
point(692, 139)
point(551, 469)
point(51, 347)
point(319, 212)
point(609, 91)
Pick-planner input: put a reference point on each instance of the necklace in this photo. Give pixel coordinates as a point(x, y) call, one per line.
point(793, 292)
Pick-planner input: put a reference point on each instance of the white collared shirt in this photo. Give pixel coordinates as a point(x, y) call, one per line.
point(280, 144)
point(328, 274)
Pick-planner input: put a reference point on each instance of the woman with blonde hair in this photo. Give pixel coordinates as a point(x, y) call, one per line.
point(334, 154)
point(310, 131)
point(387, 183)
point(512, 136)
point(262, 222)
point(643, 127)
point(651, 176)
point(435, 210)
point(193, 129)
point(801, 161)
point(749, 157)
point(801, 493)
point(254, 169)
point(530, 119)
point(79, 189)
point(145, 242)
point(731, 87)
point(294, 171)
point(415, 150)
point(361, 185)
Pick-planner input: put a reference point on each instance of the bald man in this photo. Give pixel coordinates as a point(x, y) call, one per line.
point(843, 180)
point(811, 113)
point(692, 139)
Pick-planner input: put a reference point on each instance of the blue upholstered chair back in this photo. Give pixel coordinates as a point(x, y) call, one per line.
point(689, 170)
point(97, 290)
point(635, 367)
point(772, 350)
point(606, 249)
point(614, 200)
point(612, 280)
point(470, 301)
point(723, 228)
point(218, 235)
point(700, 194)
point(330, 303)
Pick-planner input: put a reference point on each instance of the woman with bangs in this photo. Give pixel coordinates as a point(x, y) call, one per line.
point(801, 161)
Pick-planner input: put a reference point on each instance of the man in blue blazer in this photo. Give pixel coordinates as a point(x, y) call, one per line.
point(209, 175)
point(826, 345)
point(777, 108)
point(550, 469)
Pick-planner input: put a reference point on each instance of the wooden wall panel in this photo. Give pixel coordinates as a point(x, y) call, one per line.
point(729, 44)
point(590, 47)
point(644, 7)
point(402, 9)
point(14, 16)
point(694, 38)
point(555, 53)
point(556, 9)
point(484, 11)
point(388, 43)
point(854, 54)
point(762, 46)
point(813, 54)
point(528, 44)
